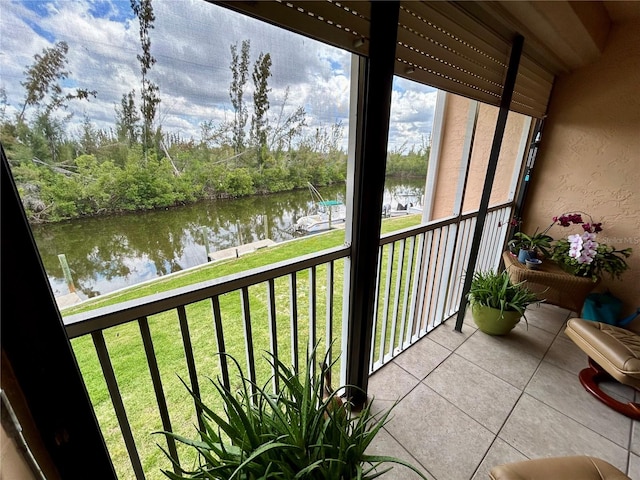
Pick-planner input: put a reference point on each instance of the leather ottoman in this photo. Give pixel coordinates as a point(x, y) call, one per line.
point(558, 468)
point(613, 352)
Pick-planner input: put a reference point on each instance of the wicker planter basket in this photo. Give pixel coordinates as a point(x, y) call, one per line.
point(551, 283)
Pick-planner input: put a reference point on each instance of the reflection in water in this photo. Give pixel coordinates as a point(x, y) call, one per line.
point(109, 253)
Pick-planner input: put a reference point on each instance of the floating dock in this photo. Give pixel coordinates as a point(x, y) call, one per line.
point(236, 252)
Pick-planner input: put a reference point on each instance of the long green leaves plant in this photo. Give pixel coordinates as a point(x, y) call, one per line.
point(302, 432)
point(495, 290)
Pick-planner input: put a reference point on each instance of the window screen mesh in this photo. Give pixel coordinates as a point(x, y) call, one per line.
point(439, 44)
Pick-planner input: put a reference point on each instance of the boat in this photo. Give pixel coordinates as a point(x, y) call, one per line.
point(408, 205)
point(329, 214)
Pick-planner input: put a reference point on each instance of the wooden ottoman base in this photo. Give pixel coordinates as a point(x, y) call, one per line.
point(591, 376)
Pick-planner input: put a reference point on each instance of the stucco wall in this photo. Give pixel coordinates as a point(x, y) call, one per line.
point(507, 160)
point(449, 168)
point(454, 129)
point(589, 159)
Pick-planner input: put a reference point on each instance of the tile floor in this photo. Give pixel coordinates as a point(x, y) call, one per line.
point(468, 401)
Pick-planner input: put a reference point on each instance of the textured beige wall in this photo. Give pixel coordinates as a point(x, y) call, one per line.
point(485, 128)
point(455, 124)
point(507, 159)
point(589, 158)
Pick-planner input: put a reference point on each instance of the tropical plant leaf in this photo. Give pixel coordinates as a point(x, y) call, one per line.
point(299, 432)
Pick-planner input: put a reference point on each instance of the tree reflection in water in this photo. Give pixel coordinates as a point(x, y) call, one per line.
point(109, 253)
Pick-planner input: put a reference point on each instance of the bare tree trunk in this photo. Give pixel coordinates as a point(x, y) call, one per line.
point(166, 154)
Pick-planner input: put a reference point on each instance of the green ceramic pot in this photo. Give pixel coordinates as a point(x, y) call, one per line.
point(490, 321)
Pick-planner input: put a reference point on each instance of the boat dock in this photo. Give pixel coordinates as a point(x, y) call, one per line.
point(235, 252)
point(68, 300)
point(73, 298)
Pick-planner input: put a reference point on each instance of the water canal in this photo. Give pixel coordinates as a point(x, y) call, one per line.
point(113, 252)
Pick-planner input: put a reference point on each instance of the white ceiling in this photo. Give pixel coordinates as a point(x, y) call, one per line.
point(560, 35)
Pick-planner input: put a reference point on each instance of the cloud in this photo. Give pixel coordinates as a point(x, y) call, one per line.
point(191, 43)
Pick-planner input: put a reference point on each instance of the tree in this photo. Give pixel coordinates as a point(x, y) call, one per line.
point(46, 136)
point(88, 137)
point(286, 126)
point(43, 91)
point(259, 122)
point(239, 70)
point(43, 78)
point(149, 93)
point(213, 135)
point(3, 105)
point(127, 119)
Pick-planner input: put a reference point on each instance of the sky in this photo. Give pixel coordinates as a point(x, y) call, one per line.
point(191, 42)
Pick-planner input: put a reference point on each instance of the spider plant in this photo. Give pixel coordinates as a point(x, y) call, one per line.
point(301, 432)
point(495, 290)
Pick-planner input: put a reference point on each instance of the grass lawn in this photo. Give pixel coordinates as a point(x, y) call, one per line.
point(130, 365)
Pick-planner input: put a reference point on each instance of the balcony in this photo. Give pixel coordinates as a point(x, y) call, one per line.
point(468, 401)
point(497, 399)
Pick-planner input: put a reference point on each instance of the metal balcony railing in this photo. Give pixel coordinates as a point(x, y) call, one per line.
point(421, 274)
point(294, 279)
point(284, 309)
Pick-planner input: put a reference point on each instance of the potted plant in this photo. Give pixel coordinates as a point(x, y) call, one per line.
point(305, 431)
point(530, 246)
point(497, 304)
point(583, 255)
